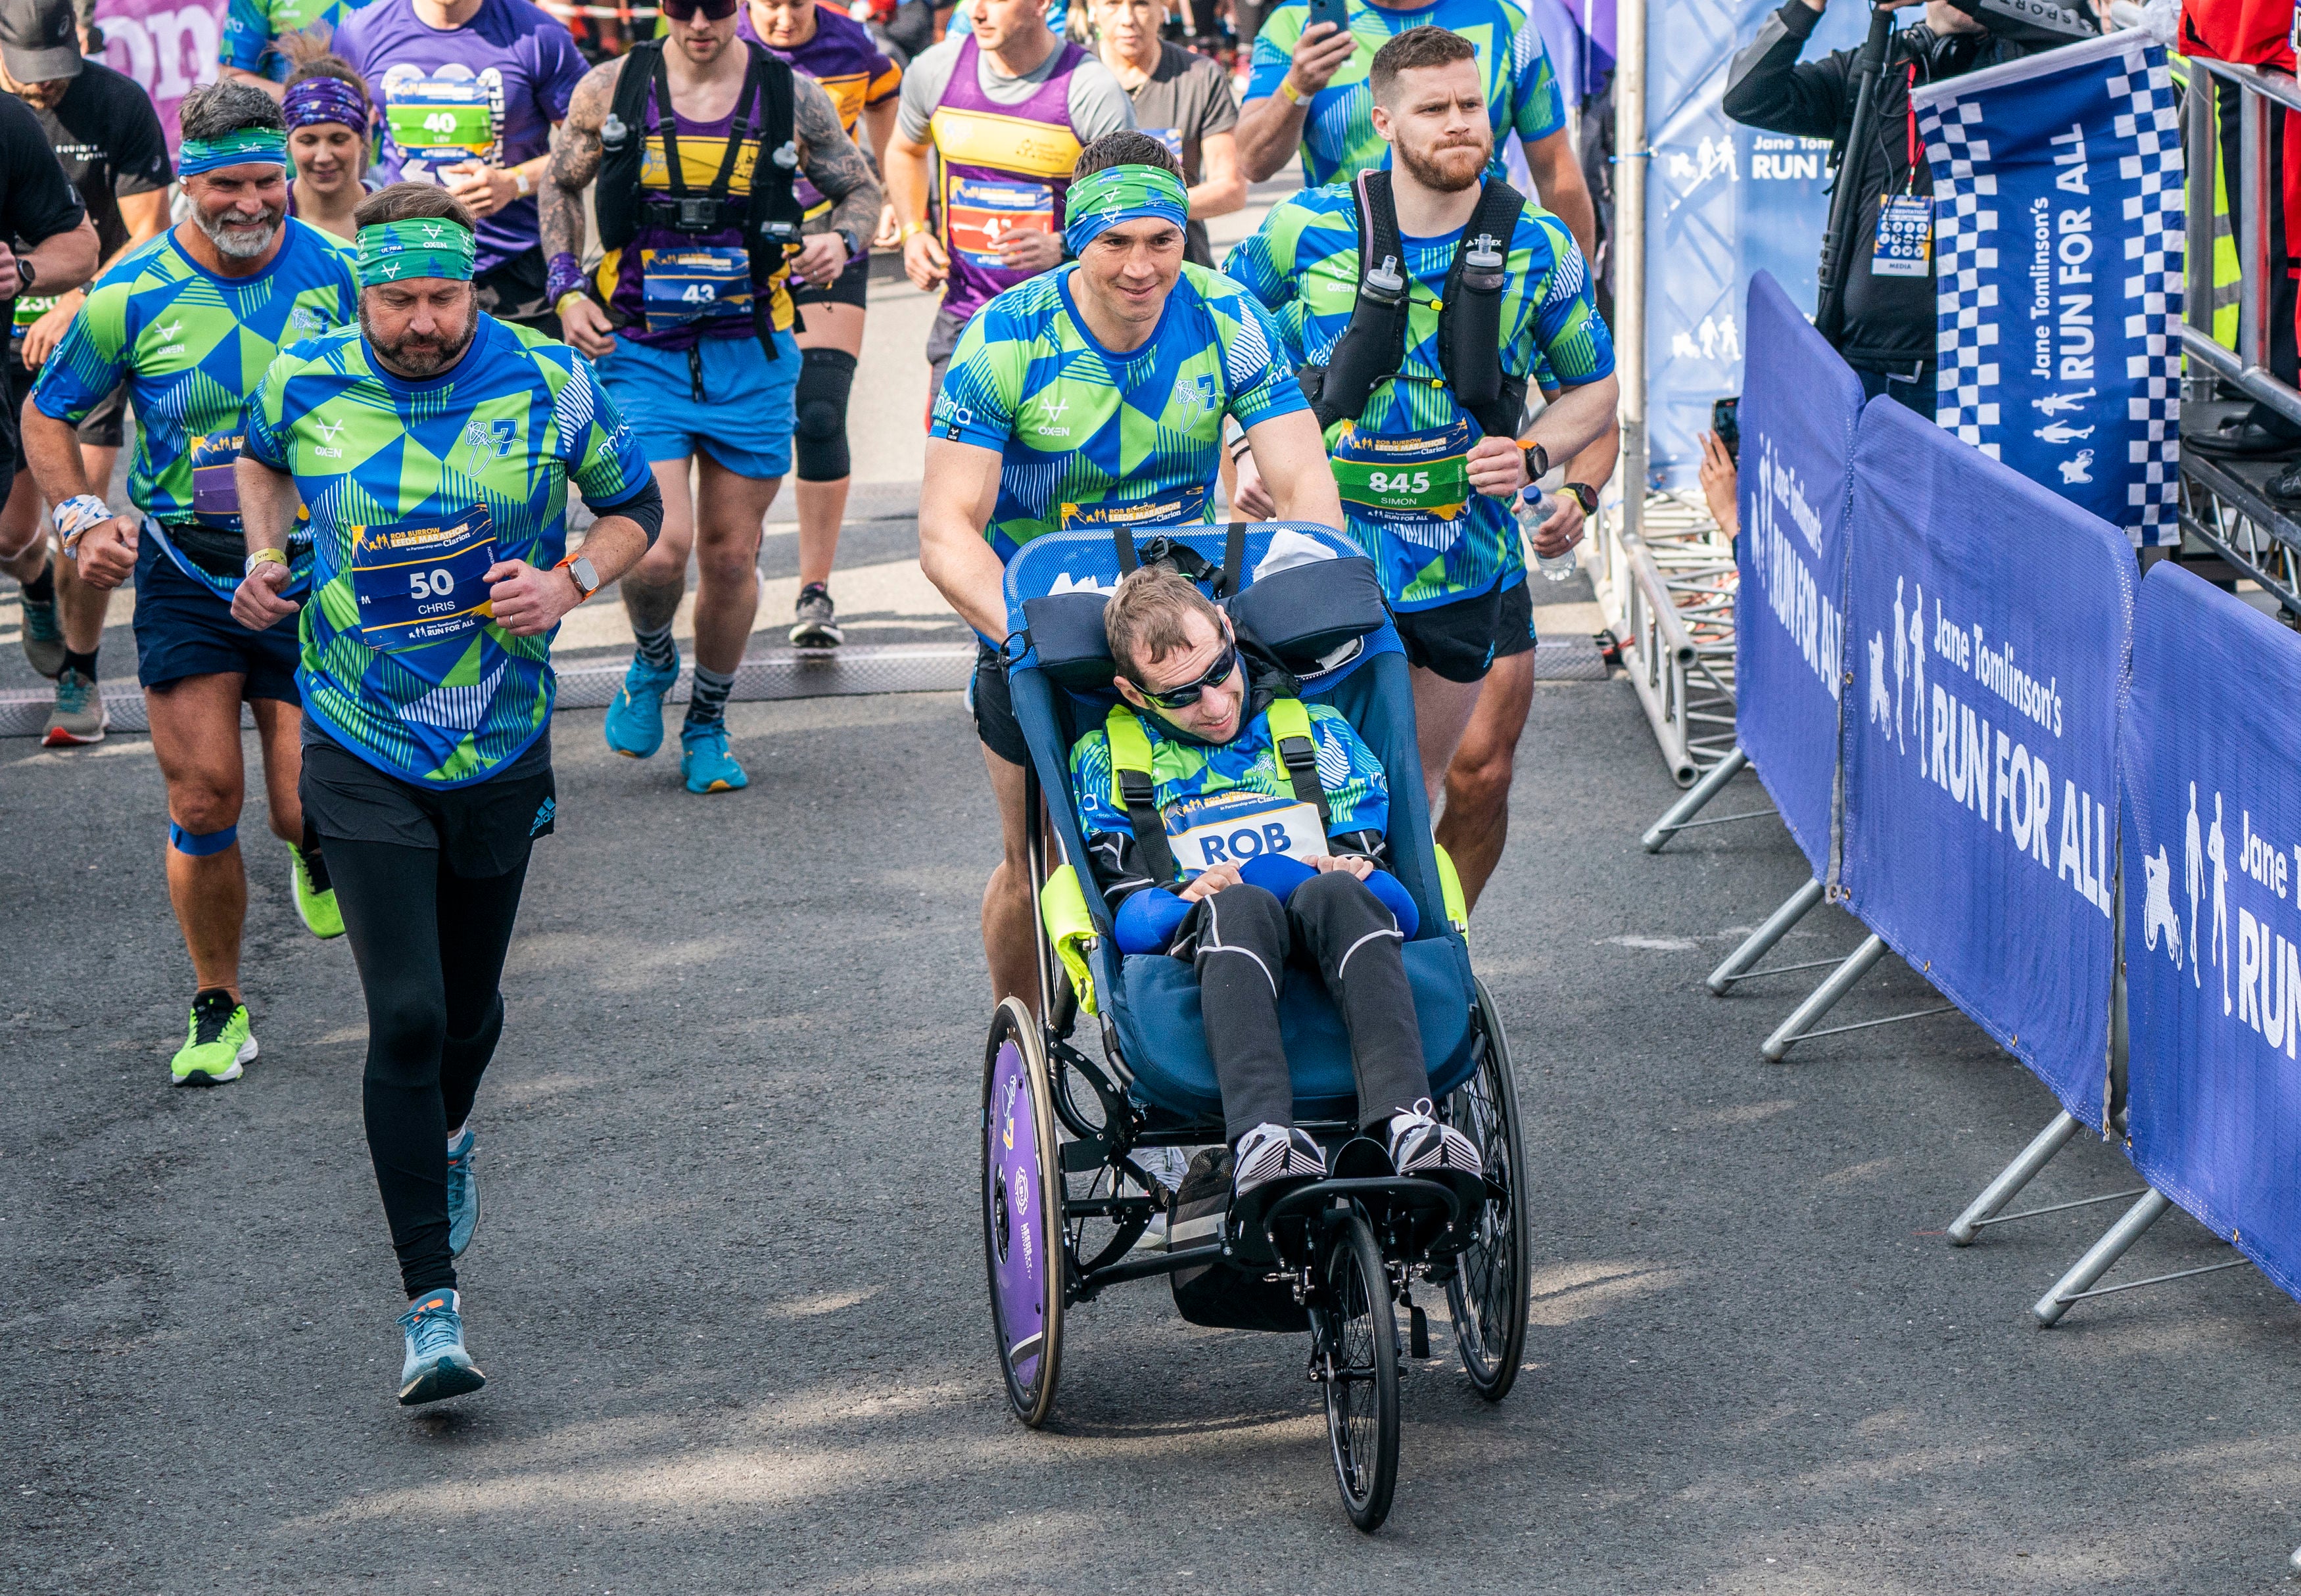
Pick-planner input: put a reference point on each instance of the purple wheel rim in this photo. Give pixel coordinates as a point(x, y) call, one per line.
point(1018, 1233)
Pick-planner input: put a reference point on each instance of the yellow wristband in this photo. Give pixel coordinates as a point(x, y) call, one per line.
point(914, 226)
point(263, 557)
point(1293, 96)
point(559, 306)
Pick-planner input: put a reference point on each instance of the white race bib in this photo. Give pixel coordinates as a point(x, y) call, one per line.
point(1219, 833)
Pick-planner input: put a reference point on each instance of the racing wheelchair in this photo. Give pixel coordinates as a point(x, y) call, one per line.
point(1065, 1199)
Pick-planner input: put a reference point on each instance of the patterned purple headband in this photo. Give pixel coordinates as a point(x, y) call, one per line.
point(326, 100)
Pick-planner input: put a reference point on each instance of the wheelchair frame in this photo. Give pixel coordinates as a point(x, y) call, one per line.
point(1349, 1247)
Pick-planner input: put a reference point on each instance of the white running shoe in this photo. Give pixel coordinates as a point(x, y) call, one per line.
point(1418, 1143)
point(1270, 1152)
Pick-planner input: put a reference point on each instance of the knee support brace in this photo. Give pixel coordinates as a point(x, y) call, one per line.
point(199, 845)
point(820, 439)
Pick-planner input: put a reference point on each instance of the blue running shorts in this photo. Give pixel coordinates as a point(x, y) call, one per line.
point(745, 420)
point(184, 629)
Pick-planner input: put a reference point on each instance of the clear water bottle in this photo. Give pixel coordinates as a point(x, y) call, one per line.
point(1532, 512)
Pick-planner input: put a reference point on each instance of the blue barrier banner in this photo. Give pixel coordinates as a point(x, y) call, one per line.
point(2212, 914)
point(1989, 623)
point(1800, 404)
point(1723, 202)
point(2058, 213)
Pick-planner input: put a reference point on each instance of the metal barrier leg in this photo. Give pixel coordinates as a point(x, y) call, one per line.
point(1701, 793)
point(1823, 999)
point(2097, 1260)
point(1760, 941)
point(2010, 1180)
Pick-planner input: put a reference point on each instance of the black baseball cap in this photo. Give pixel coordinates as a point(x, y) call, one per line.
point(40, 40)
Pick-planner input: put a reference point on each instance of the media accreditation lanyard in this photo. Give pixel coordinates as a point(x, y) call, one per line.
point(1906, 221)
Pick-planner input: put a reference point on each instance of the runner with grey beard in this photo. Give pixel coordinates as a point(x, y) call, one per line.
point(189, 320)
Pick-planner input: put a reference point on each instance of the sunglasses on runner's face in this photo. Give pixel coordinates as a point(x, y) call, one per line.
point(1188, 694)
point(683, 10)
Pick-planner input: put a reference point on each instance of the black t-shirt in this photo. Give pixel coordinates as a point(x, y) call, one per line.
point(108, 138)
point(36, 202)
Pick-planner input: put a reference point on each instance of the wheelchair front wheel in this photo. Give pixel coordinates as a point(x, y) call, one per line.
point(1022, 1211)
point(1487, 1292)
point(1356, 1359)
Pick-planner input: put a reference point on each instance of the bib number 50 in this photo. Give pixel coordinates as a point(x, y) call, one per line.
point(435, 583)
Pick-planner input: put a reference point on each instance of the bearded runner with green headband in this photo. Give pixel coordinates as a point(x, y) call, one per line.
point(434, 446)
point(1096, 394)
point(189, 321)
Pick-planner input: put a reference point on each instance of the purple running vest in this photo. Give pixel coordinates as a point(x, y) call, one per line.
point(1004, 167)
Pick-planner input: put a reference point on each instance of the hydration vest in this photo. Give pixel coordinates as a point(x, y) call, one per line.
point(1132, 789)
point(768, 217)
point(1372, 348)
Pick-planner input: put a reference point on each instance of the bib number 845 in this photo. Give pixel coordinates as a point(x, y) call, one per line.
point(1399, 481)
point(435, 583)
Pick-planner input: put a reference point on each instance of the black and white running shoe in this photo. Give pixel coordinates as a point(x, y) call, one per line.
point(1271, 1152)
point(1420, 1145)
point(816, 622)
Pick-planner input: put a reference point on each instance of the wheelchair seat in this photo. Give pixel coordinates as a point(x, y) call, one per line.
point(1151, 1000)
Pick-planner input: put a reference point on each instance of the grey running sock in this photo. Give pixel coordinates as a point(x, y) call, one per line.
point(707, 707)
point(655, 648)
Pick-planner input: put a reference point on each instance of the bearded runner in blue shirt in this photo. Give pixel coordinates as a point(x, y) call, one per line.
point(433, 446)
point(1429, 470)
point(1092, 395)
point(187, 322)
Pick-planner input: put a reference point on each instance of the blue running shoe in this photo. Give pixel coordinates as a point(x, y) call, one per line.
point(436, 1365)
point(462, 1194)
point(705, 762)
point(635, 718)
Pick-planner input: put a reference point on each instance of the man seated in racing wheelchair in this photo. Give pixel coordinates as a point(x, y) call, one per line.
point(1234, 827)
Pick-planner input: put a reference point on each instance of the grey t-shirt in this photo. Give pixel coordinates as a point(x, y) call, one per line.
point(1098, 105)
point(1186, 98)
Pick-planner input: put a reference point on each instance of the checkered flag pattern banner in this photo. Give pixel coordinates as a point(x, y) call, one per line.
point(2058, 219)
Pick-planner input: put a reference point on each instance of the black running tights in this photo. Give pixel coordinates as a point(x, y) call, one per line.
point(431, 948)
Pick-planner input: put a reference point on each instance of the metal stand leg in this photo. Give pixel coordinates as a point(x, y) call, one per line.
point(1760, 941)
point(1823, 999)
point(1701, 793)
point(2015, 1175)
point(2096, 1262)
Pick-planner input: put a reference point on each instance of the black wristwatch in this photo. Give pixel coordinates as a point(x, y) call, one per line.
point(854, 249)
point(1537, 461)
point(1585, 494)
point(26, 271)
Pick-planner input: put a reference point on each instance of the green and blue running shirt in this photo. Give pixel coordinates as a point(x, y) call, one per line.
point(1338, 137)
point(414, 490)
point(1091, 438)
point(1212, 788)
point(1402, 468)
point(191, 346)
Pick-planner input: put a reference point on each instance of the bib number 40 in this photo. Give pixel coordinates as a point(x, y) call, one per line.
point(435, 583)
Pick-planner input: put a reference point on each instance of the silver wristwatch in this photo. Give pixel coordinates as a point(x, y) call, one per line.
point(586, 579)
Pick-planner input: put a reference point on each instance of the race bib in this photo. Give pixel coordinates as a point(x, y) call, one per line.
point(1230, 828)
point(1906, 237)
point(440, 120)
point(1425, 475)
point(980, 213)
point(683, 285)
point(1172, 137)
point(215, 490)
point(1185, 506)
point(419, 583)
point(30, 308)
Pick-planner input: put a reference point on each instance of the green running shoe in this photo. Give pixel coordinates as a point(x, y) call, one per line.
point(43, 637)
point(219, 1042)
point(315, 895)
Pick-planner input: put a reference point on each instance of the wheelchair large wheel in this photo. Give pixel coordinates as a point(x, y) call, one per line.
point(1356, 1351)
point(1488, 1291)
point(1022, 1211)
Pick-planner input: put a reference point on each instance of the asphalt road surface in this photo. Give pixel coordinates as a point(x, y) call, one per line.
point(728, 1281)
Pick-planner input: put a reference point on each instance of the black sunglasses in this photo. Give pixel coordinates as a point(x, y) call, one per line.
point(683, 10)
point(1189, 693)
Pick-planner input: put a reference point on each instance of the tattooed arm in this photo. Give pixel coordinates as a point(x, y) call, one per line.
point(833, 164)
point(575, 156)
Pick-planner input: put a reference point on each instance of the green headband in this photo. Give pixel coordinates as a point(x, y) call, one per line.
point(241, 147)
point(1101, 200)
point(421, 246)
